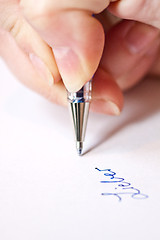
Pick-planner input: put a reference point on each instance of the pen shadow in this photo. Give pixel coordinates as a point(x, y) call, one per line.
point(141, 102)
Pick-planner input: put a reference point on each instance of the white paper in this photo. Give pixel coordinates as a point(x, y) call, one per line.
point(47, 192)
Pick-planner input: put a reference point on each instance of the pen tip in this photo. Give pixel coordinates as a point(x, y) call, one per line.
point(79, 148)
point(79, 151)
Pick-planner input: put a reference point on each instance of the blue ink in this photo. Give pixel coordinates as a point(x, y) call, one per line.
point(124, 188)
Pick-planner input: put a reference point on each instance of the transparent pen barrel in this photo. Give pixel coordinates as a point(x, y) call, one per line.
point(83, 95)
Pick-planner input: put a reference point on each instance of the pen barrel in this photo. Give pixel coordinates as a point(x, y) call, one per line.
point(80, 116)
point(83, 95)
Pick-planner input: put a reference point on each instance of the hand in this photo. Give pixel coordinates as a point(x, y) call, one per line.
point(142, 39)
point(52, 39)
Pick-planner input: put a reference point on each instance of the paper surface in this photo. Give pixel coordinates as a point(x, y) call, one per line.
point(48, 192)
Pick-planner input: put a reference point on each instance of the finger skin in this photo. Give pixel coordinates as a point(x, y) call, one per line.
point(127, 46)
point(17, 58)
point(145, 11)
point(107, 96)
point(84, 37)
point(104, 88)
point(77, 45)
point(155, 70)
point(77, 39)
point(11, 21)
point(20, 65)
point(49, 7)
point(140, 69)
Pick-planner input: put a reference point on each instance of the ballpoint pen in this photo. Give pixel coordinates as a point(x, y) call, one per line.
point(79, 103)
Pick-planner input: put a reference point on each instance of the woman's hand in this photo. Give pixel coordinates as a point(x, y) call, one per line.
point(43, 41)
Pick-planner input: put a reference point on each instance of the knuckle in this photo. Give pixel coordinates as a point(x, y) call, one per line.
point(15, 28)
point(10, 20)
point(12, 24)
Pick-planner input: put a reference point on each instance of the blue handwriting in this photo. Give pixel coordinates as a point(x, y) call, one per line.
point(123, 187)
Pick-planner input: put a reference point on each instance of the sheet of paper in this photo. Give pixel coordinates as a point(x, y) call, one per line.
point(48, 192)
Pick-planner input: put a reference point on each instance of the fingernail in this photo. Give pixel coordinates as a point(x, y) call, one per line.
point(41, 68)
point(108, 107)
point(113, 108)
point(70, 68)
point(139, 36)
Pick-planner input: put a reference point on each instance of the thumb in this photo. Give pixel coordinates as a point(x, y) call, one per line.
point(77, 41)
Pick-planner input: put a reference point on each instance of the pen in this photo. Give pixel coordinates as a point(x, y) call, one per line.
point(79, 103)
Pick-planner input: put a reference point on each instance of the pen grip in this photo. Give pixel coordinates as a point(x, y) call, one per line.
point(83, 95)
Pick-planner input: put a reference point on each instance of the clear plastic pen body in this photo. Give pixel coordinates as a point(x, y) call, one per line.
point(83, 95)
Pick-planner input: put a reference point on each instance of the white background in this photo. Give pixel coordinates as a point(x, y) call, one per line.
point(47, 192)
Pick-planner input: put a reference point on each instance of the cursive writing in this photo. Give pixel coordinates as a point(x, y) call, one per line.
point(122, 187)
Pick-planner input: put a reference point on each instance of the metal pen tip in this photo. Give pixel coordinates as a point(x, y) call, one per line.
point(79, 148)
point(79, 151)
